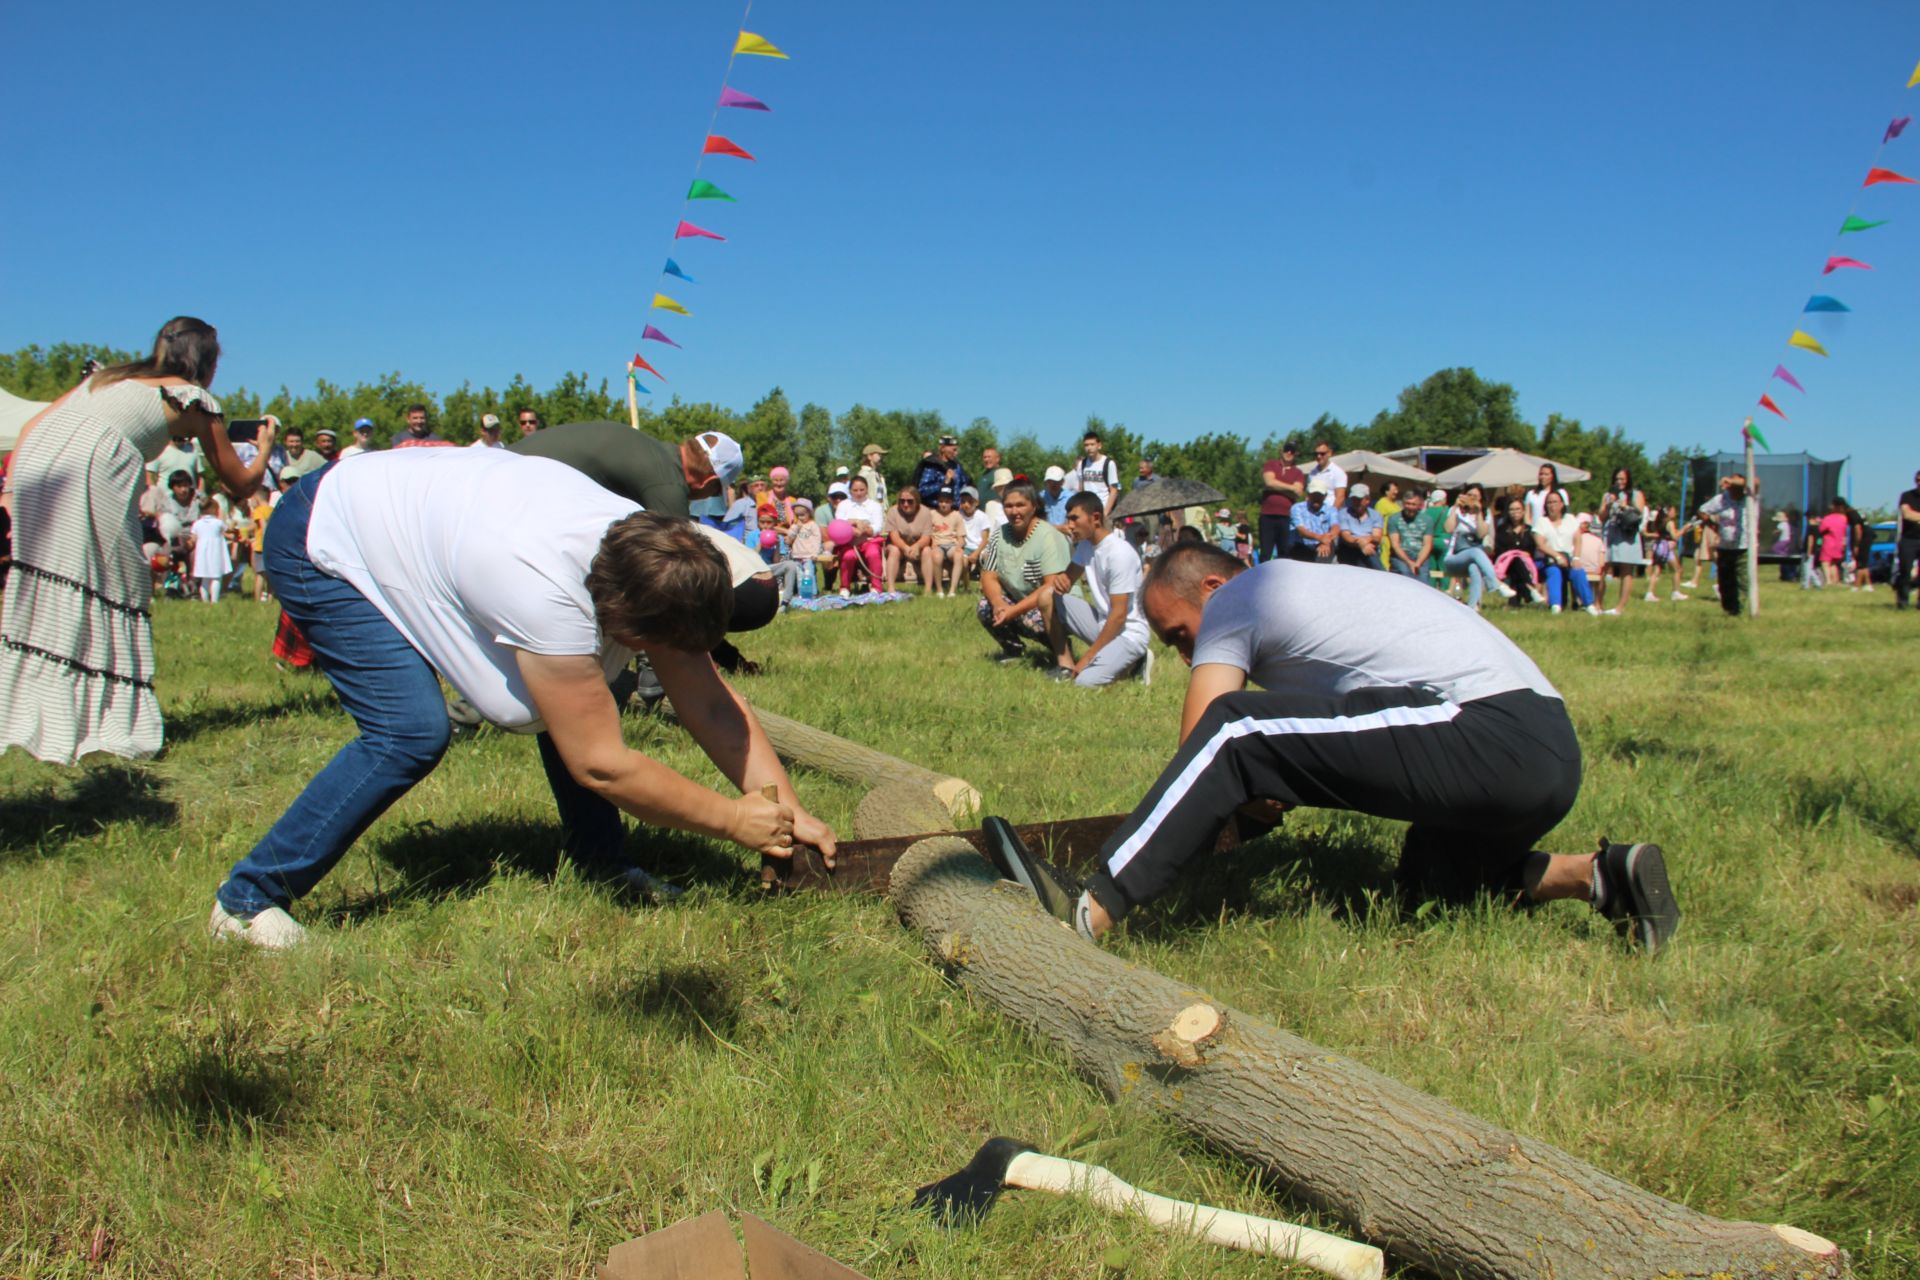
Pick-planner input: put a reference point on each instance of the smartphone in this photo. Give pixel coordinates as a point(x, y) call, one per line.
point(245, 430)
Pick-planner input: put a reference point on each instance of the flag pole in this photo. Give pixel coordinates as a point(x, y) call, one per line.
point(1753, 531)
point(633, 402)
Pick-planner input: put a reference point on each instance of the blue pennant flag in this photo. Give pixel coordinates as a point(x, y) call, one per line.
point(673, 269)
point(642, 388)
point(1821, 302)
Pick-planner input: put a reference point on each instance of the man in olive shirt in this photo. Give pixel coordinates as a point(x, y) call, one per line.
point(1024, 564)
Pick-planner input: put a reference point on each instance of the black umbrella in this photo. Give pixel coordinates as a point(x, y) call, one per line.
point(1167, 493)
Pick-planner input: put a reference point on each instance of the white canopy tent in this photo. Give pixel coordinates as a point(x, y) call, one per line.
point(1367, 462)
point(1504, 467)
point(14, 414)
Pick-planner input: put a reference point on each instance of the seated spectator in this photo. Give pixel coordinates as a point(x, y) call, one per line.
point(176, 511)
point(1314, 532)
point(979, 527)
point(1554, 540)
point(808, 543)
point(1410, 537)
point(1360, 531)
point(1024, 564)
point(1590, 557)
point(1467, 532)
point(990, 501)
point(949, 545)
point(1053, 498)
point(1243, 543)
point(1221, 527)
point(1513, 553)
point(869, 524)
point(1113, 628)
point(910, 539)
point(773, 554)
point(780, 500)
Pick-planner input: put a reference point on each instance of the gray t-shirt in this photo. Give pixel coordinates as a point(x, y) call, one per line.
point(1284, 626)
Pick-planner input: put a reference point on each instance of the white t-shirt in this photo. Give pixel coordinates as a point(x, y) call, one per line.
point(472, 554)
point(1114, 569)
point(869, 511)
point(979, 526)
point(1334, 475)
point(1272, 623)
point(1100, 477)
point(1537, 503)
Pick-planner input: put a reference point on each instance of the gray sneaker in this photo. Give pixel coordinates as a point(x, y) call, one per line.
point(1635, 893)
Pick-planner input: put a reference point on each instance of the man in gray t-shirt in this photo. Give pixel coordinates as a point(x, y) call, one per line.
point(1402, 703)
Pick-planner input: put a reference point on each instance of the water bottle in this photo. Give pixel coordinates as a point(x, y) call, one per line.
point(808, 587)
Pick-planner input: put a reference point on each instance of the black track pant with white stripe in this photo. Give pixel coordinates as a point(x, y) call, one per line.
point(1479, 781)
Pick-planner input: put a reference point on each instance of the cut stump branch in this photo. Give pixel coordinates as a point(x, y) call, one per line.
point(1430, 1184)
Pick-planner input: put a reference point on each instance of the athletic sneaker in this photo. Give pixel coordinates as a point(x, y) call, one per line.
point(1651, 598)
point(1505, 590)
point(1554, 609)
point(270, 930)
point(1678, 596)
point(1057, 673)
point(1144, 672)
point(1057, 891)
point(629, 883)
point(1594, 609)
point(1631, 888)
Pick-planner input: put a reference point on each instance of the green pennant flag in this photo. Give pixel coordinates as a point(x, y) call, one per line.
point(1758, 438)
point(704, 190)
point(1861, 224)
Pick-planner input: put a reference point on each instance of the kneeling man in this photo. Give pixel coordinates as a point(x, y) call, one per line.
point(1431, 716)
point(525, 585)
point(1112, 627)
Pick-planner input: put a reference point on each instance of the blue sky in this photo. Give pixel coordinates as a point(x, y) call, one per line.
point(1189, 218)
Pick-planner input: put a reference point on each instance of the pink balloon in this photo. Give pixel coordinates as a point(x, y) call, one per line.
point(768, 538)
point(840, 532)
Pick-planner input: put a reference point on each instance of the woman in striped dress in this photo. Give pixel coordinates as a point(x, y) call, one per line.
point(76, 640)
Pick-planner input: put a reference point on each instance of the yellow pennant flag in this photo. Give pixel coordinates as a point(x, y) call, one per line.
point(1806, 342)
point(661, 302)
point(1916, 76)
point(751, 43)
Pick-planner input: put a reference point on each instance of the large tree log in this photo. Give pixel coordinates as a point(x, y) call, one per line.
point(1425, 1181)
point(842, 758)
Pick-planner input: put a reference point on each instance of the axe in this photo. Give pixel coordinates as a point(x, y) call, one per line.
point(1002, 1162)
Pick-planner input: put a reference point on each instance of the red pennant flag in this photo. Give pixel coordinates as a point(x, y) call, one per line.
point(640, 362)
point(1886, 175)
point(719, 146)
point(1766, 402)
point(687, 231)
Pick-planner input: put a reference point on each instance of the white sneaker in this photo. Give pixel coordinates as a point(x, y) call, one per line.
point(1678, 596)
point(1505, 590)
point(1594, 609)
point(1609, 613)
point(1144, 671)
point(271, 930)
point(1651, 598)
point(1554, 609)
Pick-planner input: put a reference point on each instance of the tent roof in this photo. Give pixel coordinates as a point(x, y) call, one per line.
point(14, 413)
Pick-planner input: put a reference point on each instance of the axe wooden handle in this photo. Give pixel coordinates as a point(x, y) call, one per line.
point(772, 870)
point(1342, 1259)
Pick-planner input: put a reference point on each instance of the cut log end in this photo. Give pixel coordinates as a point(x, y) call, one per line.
point(961, 800)
point(900, 809)
point(1799, 1239)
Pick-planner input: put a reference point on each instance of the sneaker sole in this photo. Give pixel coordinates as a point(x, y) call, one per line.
point(1656, 916)
point(1012, 859)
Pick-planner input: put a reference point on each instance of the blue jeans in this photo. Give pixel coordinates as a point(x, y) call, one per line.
point(385, 685)
point(1582, 590)
point(1470, 563)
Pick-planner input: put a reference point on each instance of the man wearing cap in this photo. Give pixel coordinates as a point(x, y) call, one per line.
point(910, 540)
point(1053, 498)
point(326, 443)
point(1284, 484)
point(300, 459)
point(870, 457)
point(997, 482)
point(362, 439)
point(1359, 529)
point(1315, 533)
point(940, 470)
point(489, 433)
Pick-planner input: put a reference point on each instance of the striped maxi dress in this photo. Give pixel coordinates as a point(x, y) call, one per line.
point(76, 634)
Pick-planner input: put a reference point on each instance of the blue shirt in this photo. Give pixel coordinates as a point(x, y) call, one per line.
point(1054, 509)
point(1364, 525)
point(1305, 521)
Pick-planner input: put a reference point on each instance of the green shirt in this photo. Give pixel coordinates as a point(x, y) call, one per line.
point(1021, 565)
point(1410, 532)
point(617, 458)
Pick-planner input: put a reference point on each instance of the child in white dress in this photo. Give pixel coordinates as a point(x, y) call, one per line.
point(208, 540)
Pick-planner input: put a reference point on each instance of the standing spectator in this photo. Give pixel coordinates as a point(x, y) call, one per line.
point(1112, 627)
point(949, 545)
point(182, 453)
point(870, 460)
point(1024, 565)
point(1361, 531)
point(207, 544)
point(489, 433)
point(259, 511)
point(326, 443)
point(1555, 541)
point(1096, 474)
point(1549, 482)
point(1388, 506)
point(1053, 498)
point(529, 420)
point(1467, 530)
point(1314, 531)
point(1835, 539)
point(989, 463)
point(910, 540)
point(1663, 547)
point(362, 439)
point(1862, 534)
point(1284, 484)
point(868, 522)
point(1728, 510)
point(979, 527)
point(1410, 538)
point(1623, 511)
point(1907, 549)
point(418, 433)
point(1147, 527)
point(1325, 468)
point(300, 459)
point(941, 470)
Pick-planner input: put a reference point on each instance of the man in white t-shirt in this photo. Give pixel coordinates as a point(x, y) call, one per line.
point(1112, 627)
point(1095, 473)
point(489, 433)
point(525, 586)
point(1324, 468)
point(1432, 717)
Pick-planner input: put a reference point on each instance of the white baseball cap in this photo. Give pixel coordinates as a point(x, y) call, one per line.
point(1055, 473)
point(723, 452)
point(1318, 485)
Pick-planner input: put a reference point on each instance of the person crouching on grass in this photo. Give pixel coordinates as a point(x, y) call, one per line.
point(527, 586)
point(1434, 718)
point(1112, 627)
point(1024, 565)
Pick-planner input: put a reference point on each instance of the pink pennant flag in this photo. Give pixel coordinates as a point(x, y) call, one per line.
point(1766, 402)
point(735, 98)
point(651, 334)
point(686, 230)
point(1780, 371)
point(1834, 264)
point(1893, 130)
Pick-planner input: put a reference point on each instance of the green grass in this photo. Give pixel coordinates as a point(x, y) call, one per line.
point(482, 1068)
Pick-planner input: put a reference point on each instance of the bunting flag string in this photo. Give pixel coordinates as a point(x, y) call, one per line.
point(746, 43)
point(1827, 304)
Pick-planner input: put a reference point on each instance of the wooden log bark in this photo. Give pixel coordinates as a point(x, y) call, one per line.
point(1430, 1184)
point(838, 757)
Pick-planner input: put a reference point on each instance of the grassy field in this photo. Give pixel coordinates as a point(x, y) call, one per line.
point(483, 1067)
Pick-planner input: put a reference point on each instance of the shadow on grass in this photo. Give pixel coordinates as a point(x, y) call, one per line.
point(219, 1083)
point(79, 805)
point(1342, 870)
point(689, 1001)
point(312, 694)
point(1814, 801)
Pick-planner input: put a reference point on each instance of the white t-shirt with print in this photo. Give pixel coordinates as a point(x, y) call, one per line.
point(472, 554)
point(1114, 569)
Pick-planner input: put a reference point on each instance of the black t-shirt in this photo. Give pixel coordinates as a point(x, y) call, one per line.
point(617, 458)
point(1910, 528)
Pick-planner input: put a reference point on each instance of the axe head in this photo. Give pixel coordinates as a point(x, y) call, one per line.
point(963, 1198)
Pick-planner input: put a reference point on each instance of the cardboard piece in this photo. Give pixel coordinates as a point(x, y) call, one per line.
point(703, 1248)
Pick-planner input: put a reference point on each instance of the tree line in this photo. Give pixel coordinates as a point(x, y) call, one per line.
point(1451, 407)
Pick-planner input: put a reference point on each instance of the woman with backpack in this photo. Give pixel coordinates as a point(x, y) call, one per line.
point(1622, 513)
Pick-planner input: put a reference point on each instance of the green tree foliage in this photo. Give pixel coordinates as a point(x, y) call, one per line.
point(1456, 407)
point(47, 373)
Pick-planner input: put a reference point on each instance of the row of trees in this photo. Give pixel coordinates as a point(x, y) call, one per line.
point(1452, 407)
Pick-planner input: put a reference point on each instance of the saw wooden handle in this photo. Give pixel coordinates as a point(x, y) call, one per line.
point(772, 870)
point(1342, 1259)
